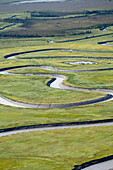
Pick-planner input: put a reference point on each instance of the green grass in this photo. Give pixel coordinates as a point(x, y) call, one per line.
point(61, 63)
point(14, 117)
point(101, 79)
point(11, 116)
point(110, 43)
point(32, 90)
point(55, 149)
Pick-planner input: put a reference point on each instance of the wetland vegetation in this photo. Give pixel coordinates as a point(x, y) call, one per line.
point(24, 28)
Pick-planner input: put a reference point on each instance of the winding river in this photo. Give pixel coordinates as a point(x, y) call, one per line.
point(57, 82)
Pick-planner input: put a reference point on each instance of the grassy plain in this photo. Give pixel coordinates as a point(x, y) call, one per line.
point(14, 117)
point(87, 80)
point(11, 117)
point(55, 149)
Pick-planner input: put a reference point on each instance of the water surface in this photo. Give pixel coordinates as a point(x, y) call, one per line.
point(32, 1)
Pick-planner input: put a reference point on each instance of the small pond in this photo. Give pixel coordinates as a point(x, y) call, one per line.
point(81, 62)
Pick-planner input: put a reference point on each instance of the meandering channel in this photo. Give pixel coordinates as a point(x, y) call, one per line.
point(56, 82)
point(106, 43)
point(51, 127)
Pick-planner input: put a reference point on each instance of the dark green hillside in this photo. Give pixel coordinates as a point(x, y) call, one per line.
point(51, 24)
